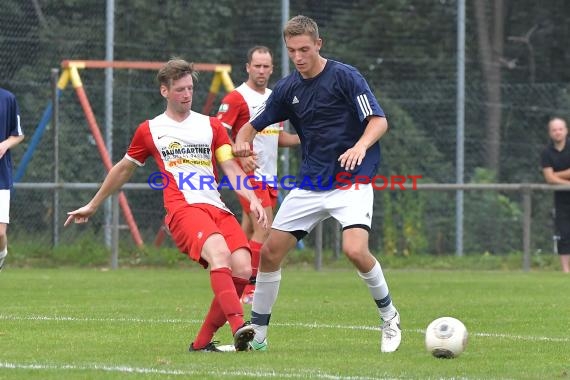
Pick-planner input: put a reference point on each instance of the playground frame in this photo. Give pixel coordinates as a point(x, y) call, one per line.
point(71, 74)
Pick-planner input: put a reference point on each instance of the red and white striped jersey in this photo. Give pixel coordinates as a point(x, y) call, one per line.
point(236, 109)
point(184, 151)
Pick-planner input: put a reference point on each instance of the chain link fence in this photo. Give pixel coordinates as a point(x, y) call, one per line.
point(406, 49)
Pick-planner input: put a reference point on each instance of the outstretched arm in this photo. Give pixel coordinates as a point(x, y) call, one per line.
point(117, 177)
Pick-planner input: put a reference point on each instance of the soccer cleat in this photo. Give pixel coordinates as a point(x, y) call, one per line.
point(243, 336)
point(256, 346)
point(391, 334)
point(210, 347)
point(247, 296)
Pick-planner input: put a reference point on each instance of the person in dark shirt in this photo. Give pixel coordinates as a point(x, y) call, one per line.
point(339, 122)
point(555, 160)
point(10, 135)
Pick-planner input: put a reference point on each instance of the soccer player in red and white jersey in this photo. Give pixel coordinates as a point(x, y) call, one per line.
point(236, 109)
point(186, 146)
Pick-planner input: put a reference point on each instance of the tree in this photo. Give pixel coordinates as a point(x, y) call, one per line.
point(491, 43)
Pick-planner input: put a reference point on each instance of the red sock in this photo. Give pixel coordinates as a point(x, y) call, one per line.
point(240, 284)
point(226, 295)
point(255, 250)
point(216, 317)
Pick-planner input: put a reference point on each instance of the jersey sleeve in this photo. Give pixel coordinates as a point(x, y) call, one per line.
point(271, 111)
point(545, 159)
point(15, 127)
point(220, 137)
point(140, 148)
point(233, 112)
point(221, 144)
point(359, 93)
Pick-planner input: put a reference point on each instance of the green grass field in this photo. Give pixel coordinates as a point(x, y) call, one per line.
point(137, 323)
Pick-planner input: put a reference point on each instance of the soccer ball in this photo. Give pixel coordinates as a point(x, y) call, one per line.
point(446, 337)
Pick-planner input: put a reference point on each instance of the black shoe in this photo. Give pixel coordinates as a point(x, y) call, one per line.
point(210, 347)
point(243, 336)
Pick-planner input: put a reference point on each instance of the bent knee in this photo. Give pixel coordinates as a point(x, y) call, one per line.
point(354, 252)
point(241, 263)
point(220, 259)
point(241, 272)
point(271, 256)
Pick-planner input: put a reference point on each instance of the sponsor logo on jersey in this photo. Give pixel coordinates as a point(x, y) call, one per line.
point(224, 107)
point(186, 154)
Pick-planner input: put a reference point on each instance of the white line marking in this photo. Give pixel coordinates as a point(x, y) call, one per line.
point(7, 317)
point(178, 372)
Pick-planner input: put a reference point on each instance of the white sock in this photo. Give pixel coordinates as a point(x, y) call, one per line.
point(379, 290)
point(266, 290)
point(4, 252)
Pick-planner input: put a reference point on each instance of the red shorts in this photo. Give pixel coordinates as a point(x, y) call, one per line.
point(191, 225)
point(266, 194)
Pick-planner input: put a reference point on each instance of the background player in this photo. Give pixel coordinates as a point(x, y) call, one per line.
point(236, 109)
point(339, 121)
point(10, 135)
point(183, 142)
point(555, 160)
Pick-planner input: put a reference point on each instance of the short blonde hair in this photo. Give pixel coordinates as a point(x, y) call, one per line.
point(301, 25)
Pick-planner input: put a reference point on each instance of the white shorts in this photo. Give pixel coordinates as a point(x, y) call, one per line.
point(302, 210)
point(5, 206)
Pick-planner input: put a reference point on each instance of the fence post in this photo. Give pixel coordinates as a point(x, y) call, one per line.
point(114, 227)
point(337, 239)
point(527, 214)
point(55, 127)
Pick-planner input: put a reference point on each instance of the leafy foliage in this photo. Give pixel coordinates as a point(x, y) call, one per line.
point(405, 48)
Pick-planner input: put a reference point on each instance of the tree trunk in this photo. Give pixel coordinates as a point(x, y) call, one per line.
point(491, 50)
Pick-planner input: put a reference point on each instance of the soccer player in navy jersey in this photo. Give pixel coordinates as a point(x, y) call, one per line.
point(339, 122)
point(10, 135)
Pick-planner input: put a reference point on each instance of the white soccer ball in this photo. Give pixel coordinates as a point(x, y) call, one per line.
point(446, 337)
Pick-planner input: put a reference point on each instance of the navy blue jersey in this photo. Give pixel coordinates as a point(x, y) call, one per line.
point(9, 126)
point(329, 114)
